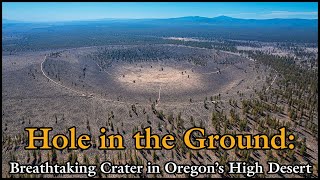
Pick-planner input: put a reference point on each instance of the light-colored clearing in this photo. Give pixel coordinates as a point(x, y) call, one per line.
point(147, 78)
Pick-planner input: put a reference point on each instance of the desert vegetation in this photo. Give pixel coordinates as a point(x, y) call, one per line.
point(126, 81)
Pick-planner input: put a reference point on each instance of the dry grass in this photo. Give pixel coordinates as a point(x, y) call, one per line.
point(170, 79)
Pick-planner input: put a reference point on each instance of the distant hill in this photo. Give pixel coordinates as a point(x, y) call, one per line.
point(198, 20)
point(229, 21)
point(7, 21)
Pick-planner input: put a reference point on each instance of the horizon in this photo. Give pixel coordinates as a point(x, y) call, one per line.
point(85, 11)
point(79, 20)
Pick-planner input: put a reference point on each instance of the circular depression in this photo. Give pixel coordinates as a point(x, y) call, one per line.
point(140, 82)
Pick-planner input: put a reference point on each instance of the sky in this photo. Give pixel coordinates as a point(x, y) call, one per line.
point(69, 11)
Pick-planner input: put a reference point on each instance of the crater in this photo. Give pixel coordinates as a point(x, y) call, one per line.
point(139, 74)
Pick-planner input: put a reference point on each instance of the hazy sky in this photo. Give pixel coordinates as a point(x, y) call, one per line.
point(64, 11)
